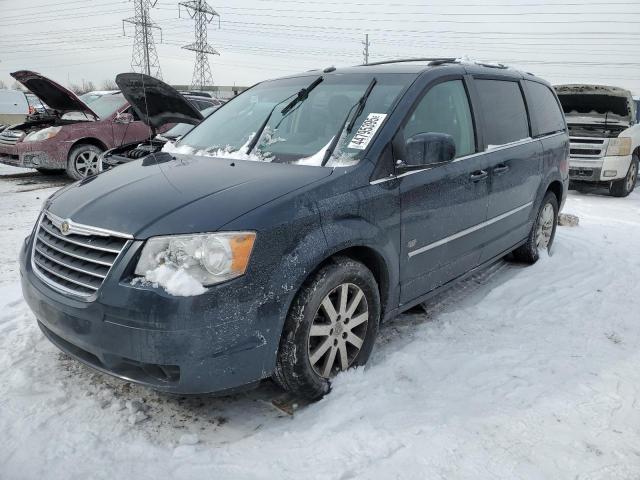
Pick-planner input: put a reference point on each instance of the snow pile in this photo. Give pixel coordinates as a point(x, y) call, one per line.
point(218, 152)
point(568, 220)
point(175, 281)
point(336, 160)
point(256, 155)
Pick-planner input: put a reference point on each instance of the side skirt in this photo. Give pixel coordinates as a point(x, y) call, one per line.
point(416, 301)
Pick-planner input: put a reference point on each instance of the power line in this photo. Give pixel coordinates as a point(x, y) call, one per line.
point(481, 5)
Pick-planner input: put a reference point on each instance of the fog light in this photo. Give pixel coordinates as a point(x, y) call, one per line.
point(609, 173)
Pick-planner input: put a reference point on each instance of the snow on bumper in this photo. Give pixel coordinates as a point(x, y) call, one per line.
point(187, 345)
point(603, 169)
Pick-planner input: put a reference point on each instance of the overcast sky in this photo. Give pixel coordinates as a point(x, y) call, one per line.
point(562, 40)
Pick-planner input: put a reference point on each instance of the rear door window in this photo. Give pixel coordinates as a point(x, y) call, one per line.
point(545, 111)
point(445, 109)
point(504, 112)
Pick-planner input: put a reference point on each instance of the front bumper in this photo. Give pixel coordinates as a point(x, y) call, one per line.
point(599, 169)
point(20, 155)
point(221, 341)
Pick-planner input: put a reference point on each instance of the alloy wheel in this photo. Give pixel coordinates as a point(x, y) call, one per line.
point(632, 177)
point(87, 163)
point(338, 330)
point(544, 229)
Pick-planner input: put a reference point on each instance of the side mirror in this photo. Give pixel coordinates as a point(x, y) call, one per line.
point(428, 149)
point(123, 118)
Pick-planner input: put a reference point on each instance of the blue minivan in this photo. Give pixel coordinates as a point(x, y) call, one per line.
point(275, 237)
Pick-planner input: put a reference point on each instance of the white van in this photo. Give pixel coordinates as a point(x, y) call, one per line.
point(14, 107)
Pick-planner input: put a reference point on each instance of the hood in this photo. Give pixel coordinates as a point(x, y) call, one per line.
point(165, 194)
point(596, 104)
point(52, 94)
point(155, 102)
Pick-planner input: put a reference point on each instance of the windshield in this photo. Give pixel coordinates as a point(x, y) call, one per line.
point(106, 105)
point(302, 134)
point(183, 128)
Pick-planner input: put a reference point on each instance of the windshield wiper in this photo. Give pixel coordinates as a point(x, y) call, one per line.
point(300, 96)
point(360, 104)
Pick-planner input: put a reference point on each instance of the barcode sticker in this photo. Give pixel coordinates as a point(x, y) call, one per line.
point(366, 131)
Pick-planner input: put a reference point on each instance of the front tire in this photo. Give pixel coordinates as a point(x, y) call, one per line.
point(83, 161)
point(624, 186)
point(331, 326)
point(542, 232)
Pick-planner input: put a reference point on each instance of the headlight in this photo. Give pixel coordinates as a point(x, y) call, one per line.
point(43, 134)
point(210, 258)
point(619, 146)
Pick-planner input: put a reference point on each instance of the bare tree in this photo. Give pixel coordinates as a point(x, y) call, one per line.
point(109, 85)
point(86, 86)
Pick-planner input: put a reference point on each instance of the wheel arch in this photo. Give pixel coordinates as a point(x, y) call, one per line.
point(88, 141)
point(370, 258)
point(557, 189)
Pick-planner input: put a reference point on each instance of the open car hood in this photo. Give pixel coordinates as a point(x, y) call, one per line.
point(596, 104)
point(155, 102)
point(52, 94)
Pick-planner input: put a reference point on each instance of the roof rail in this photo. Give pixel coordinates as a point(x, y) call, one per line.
point(492, 65)
point(435, 61)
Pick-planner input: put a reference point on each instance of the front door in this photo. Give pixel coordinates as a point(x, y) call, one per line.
point(442, 207)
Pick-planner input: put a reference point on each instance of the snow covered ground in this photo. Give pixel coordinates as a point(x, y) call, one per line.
point(517, 373)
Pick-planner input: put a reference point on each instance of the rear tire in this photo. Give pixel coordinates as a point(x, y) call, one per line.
point(331, 326)
point(542, 232)
point(624, 186)
point(83, 161)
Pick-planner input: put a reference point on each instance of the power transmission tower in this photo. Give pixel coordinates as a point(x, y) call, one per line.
point(144, 58)
point(203, 14)
point(365, 52)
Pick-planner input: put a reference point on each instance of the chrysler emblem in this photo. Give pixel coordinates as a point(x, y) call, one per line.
point(64, 228)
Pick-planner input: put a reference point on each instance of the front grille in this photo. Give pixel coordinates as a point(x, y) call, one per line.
point(588, 147)
point(584, 151)
point(75, 263)
point(10, 137)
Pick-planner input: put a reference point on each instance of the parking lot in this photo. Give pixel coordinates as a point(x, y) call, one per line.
point(514, 373)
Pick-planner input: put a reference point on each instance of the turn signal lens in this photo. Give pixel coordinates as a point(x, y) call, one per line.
point(241, 247)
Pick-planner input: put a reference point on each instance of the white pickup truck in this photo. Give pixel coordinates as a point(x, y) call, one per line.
point(605, 136)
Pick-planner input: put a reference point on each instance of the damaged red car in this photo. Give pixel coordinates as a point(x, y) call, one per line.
point(72, 135)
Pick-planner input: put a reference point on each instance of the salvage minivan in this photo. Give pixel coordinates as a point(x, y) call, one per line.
point(273, 238)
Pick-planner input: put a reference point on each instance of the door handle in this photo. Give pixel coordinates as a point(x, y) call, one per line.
point(479, 175)
point(500, 169)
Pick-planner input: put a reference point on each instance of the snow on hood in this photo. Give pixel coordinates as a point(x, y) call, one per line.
point(588, 103)
point(51, 93)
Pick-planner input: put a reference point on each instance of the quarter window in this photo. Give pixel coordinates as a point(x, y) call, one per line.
point(544, 108)
point(504, 113)
point(445, 109)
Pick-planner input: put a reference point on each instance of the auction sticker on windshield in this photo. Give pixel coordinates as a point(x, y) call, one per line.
point(366, 131)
